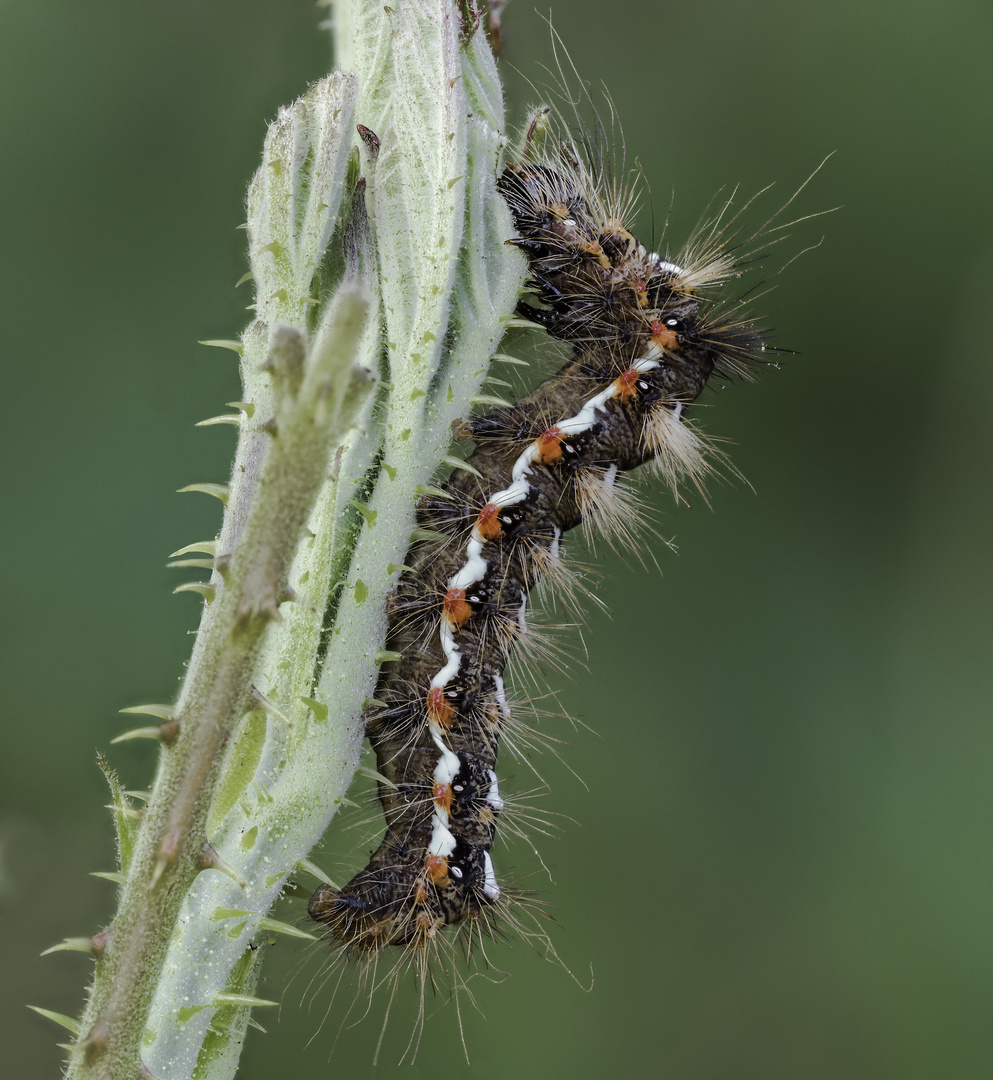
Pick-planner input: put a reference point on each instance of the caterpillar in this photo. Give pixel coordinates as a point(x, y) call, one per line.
point(644, 335)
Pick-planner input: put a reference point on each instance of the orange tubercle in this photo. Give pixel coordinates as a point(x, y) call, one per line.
point(442, 796)
point(664, 337)
point(436, 869)
point(626, 385)
point(549, 445)
point(591, 247)
point(456, 608)
point(488, 524)
point(440, 712)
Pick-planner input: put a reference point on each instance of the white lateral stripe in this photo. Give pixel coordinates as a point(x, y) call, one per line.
point(471, 573)
point(448, 764)
point(442, 842)
point(501, 695)
point(475, 567)
point(517, 492)
point(490, 886)
point(493, 795)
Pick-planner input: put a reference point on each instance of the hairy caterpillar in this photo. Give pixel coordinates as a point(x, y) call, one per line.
point(645, 333)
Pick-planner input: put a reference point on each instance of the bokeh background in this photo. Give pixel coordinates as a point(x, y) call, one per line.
point(778, 859)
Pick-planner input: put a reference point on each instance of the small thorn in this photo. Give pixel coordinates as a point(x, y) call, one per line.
point(420, 534)
point(315, 871)
point(224, 998)
point(274, 926)
point(247, 407)
point(269, 707)
point(128, 811)
point(319, 710)
point(218, 914)
point(224, 418)
point(165, 732)
point(244, 277)
point(210, 860)
point(458, 463)
point(95, 945)
point(71, 944)
point(219, 343)
point(165, 856)
point(138, 733)
point(387, 656)
point(369, 515)
point(113, 876)
point(377, 776)
point(433, 492)
point(523, 324)
point(207, 547)
point(163, 712)
point(207, 591)
point(67, 1022)
point(503, 358)
point(252, 1022)
point(490, 400)
point(494, 381)
point(219, 491)
point(198, 564)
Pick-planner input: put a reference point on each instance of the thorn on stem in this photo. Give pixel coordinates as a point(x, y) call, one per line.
point(165, 856)
point(94, 1042)
point(100, 941)
point(70, 944)
point(219, 491)
point(210, 860)
point(270, 708)
point(165, 732)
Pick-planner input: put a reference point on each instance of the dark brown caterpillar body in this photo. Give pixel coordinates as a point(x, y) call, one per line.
point(645, 341)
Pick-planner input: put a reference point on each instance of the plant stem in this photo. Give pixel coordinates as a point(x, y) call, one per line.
point(383, 285)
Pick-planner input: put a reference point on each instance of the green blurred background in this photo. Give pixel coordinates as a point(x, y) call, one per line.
point(779, 863)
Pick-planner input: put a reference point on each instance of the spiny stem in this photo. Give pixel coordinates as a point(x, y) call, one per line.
point(383, 286)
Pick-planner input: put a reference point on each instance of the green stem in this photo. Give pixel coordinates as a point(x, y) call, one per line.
point(383, 285)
